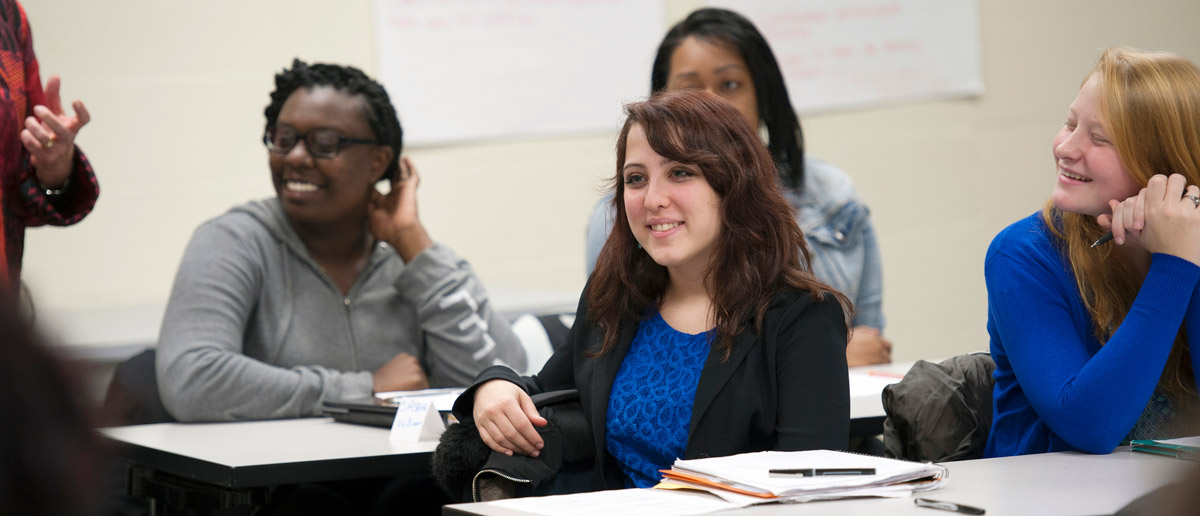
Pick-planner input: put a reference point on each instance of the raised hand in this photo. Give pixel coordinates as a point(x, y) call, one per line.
point(394, 216)
point(49, 136)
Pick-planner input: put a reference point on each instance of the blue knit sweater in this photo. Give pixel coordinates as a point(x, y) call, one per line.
point(651, 401)
point(1057, 388)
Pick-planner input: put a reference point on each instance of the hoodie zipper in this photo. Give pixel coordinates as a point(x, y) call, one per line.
point(350, 330)
point(372, 264)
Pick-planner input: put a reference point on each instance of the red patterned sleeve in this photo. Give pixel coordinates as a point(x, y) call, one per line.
point(33, 80)
point(36, 208)
point(61, 210)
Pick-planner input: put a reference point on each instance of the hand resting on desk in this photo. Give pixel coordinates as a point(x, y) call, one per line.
point(402, 373)
point(868, 347)
point(506, 417)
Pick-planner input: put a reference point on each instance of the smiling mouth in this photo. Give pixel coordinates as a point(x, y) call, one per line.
point(300, 186)
point(665, 227)
point(1074, 176)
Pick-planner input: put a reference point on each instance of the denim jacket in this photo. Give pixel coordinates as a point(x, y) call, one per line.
point(836, 225)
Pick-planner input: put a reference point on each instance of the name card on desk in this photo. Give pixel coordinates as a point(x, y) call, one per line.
point(417, 419)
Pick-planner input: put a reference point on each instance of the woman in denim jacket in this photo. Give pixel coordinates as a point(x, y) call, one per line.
point(722, 52)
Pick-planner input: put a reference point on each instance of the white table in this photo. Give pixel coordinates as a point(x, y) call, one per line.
point(1061, 484)
point(225, 465)
point(264, 453)
point(866, 390)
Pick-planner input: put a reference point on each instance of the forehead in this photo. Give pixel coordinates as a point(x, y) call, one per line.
point(638, 149)
point(325, 107)
point(1087, 101)
point(697, 55)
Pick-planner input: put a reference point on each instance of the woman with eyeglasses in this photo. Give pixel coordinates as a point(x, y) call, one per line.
point(330, 291)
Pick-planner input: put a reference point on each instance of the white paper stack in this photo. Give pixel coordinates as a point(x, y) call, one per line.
point(746, 479)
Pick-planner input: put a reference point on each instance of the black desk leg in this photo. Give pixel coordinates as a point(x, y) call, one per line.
point(171, 495)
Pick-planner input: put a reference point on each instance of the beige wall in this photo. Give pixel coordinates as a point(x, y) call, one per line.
point(176, 90)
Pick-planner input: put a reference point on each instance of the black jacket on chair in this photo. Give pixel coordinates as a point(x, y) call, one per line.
point(940, 412)
point(786, 389)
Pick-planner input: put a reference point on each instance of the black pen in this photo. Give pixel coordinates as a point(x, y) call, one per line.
point(948, 506)
point(821, 472)
point(1107, 236)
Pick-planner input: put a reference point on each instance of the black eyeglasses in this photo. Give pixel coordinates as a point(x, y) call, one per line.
point(320, 143)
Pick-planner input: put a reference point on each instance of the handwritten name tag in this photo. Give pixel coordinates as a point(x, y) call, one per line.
point(417, 419)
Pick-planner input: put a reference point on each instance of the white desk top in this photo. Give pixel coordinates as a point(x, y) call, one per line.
point(253, 443)
point(866, 388)
point(1061, 484)
point(259, 452)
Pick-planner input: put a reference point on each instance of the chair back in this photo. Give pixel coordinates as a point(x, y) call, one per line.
point(132, 397)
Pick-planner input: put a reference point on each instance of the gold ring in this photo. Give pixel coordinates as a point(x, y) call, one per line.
point(49, 143)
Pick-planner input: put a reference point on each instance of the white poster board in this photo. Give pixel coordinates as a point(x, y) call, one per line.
point(854, 53)
point(462, 70)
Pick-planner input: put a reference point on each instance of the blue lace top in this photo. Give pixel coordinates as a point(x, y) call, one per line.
point(650, 406)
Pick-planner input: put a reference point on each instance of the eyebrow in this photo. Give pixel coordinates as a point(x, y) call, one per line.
point(729, 66)
point(663, 162)
point(693, 75)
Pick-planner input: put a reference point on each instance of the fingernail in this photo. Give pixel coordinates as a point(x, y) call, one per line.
point(534, 454)
point(540, 445)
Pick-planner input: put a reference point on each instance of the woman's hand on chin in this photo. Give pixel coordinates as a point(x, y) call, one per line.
point(1127, 220)
point(506, 417)
point(1172, 218)
point(393, 217)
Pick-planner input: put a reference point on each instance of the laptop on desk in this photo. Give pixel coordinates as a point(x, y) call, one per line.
point(361, 413)
point(382, 410)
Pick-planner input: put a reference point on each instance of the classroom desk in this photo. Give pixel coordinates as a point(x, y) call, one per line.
point(238, 462)
point(866, 402)
point(1061, 484)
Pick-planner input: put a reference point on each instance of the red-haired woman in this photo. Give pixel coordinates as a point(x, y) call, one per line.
point(1096, 344)
point(701, 332)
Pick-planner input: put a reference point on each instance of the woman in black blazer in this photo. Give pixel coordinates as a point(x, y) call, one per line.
point(701, 333)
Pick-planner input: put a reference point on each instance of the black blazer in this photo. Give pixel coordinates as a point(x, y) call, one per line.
point(786, 389)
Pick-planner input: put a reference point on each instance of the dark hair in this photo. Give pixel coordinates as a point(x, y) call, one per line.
point(784, 138)
point(49, 454)
point(381, 115)
point(760, 248)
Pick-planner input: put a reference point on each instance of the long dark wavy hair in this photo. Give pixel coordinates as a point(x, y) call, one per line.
point(775, 111)
point(760, 249)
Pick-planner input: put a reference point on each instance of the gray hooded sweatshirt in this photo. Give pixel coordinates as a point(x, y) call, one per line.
point(255, 329)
